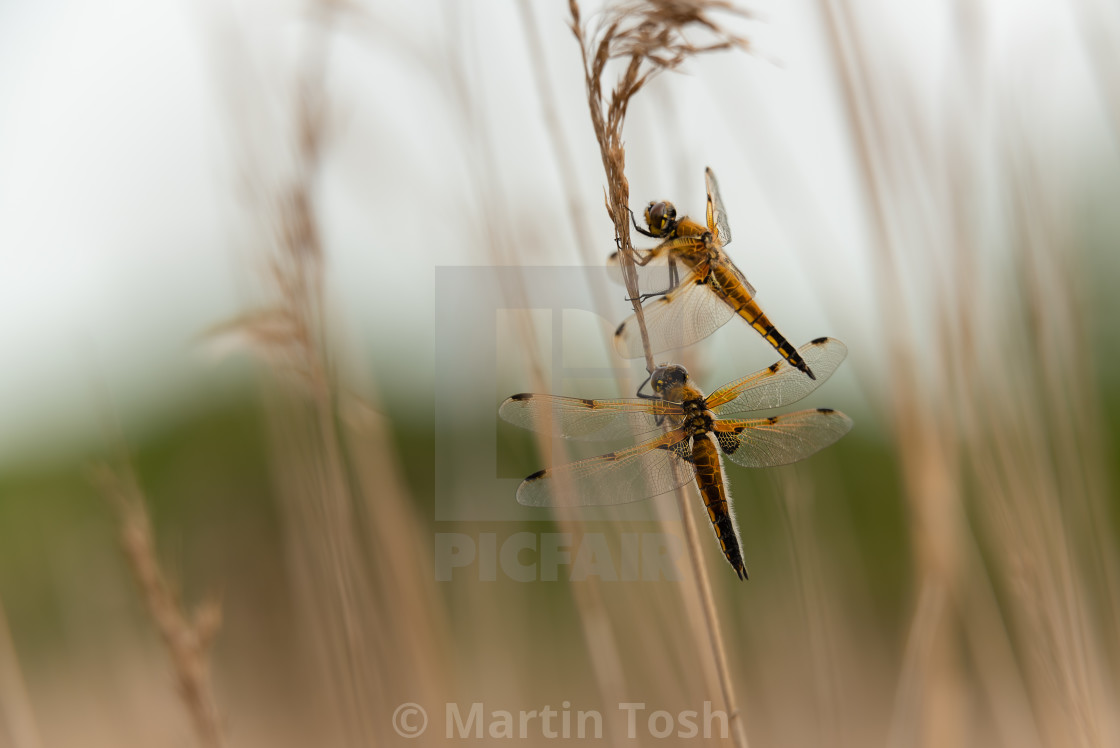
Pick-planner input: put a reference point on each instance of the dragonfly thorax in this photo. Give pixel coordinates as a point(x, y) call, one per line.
point(697, 419)
point(671, 383)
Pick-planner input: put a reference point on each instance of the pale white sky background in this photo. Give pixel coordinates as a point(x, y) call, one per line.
point(122, 236)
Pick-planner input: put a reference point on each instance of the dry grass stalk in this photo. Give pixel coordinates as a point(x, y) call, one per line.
point(1001, 423)
point(808, 565)
point(17, 718)
point(590, 254)
point(588, 595)
point(187, 637)
point(332, 577)
point(1099, 25)
point(649, 38)
point(561, 149)
point(362, 589)
point(930, 473)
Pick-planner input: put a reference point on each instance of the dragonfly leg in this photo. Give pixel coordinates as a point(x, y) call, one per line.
point(673, 281)
point(638, 228)
point(659, 419)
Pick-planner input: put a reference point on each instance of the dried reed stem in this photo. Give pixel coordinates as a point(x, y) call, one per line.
point(562, 155)
point(561, 149)
point(321, 500)
point(188, 638)
point(711, 620)
point(322, 506)
point(648, 38)
point(930, 467)
point(1004, 419)
point(600, 638)
point(19, 728)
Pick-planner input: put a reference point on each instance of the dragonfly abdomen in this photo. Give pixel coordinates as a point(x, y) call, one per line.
point(709, 479)
point(742, 301)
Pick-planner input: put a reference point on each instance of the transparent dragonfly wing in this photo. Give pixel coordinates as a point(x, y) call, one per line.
point(725, 260)
point(621, 477)
point(577, 418)
point(717, 216)
point(780, 384)
point(780, 440)
point(688, 313)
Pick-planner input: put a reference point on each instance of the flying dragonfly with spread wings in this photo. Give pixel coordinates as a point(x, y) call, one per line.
point(693, 432)
point(712, 291)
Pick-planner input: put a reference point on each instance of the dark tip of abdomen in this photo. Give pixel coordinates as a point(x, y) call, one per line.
point(796, 360)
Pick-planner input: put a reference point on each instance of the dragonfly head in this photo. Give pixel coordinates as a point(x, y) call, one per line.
point(668, 378)
point(661, 217)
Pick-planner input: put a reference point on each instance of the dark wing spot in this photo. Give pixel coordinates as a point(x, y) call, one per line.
point(619, 330)
point(774, 366)
point(587, 402)
point(820, 341)
point(772, 419)
point(680, 449)
point(825, 410)
point(522, 396)
point(727, 441)
point(535, 476)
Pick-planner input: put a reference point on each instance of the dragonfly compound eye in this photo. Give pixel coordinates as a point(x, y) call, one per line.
point(660, 216)
point(667, 376)
point(675, 374)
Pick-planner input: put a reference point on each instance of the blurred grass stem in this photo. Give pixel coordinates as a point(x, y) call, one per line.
point(649, 39)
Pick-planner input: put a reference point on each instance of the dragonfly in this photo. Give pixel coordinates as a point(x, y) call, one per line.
point(712, 291)
point(686, 434)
